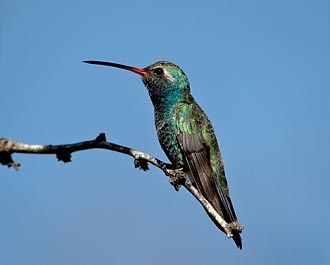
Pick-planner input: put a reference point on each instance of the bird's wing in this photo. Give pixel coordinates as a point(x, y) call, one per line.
point(196, 149)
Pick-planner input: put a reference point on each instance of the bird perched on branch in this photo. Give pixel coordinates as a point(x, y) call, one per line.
point(186, 135)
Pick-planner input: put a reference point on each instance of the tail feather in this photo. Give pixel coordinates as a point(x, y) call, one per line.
point(237, 239)
point(196, 150)
point(236, 234)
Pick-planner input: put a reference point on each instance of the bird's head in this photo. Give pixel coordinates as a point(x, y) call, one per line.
point(162, 79)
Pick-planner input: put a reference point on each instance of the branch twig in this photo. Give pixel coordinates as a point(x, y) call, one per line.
point(141, 160)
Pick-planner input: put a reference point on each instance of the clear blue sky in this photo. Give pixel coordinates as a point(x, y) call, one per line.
point(260, 70)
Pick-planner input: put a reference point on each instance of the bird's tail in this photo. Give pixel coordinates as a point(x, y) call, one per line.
point(236, 234)
point(202, 178)
point(237, 239)
point(222, 204)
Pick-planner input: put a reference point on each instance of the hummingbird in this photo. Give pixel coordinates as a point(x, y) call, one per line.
point(186, 135)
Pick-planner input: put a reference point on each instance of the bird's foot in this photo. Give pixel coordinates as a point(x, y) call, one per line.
point(177, 177)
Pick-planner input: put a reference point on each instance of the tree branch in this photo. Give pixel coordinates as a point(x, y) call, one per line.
point(141, 160)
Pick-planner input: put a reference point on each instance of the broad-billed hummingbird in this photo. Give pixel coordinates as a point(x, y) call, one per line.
point(186, 134)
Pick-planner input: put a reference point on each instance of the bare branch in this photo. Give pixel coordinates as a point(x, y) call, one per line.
point(141, 160)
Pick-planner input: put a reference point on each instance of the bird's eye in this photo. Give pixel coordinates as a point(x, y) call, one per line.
point(159, 71)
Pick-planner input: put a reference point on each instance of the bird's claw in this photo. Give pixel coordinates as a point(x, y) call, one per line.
point(177, 178)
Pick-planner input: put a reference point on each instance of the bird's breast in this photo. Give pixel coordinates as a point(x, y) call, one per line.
point(166, 131)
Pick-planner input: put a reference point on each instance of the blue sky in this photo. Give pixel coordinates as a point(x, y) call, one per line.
point(260, 70)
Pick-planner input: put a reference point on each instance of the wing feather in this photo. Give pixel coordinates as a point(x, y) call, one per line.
point(196, 151)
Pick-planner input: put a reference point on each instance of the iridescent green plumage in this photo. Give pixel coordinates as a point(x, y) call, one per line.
point(186, 135)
